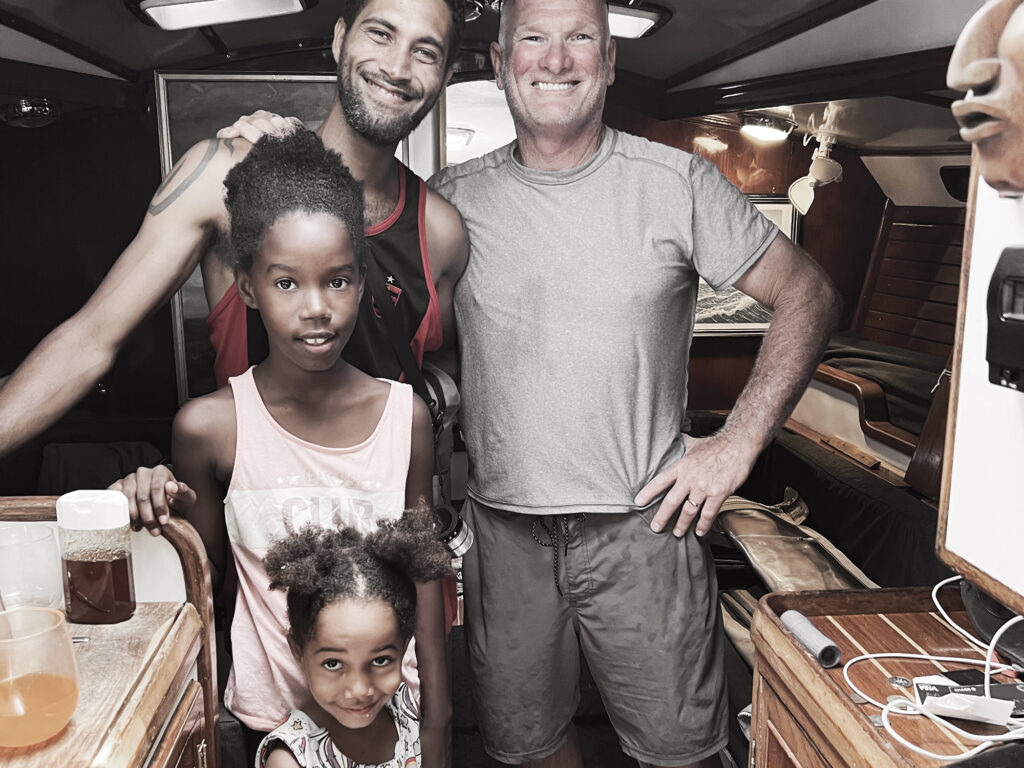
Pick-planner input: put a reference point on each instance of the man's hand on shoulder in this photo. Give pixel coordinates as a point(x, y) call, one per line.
point(710, 471)
point(259, 123)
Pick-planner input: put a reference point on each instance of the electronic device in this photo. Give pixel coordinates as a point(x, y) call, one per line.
point(1005, 347)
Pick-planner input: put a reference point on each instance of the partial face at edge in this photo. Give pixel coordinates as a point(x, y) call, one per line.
point(555, 61)
point(988, 63)
point(391, 66)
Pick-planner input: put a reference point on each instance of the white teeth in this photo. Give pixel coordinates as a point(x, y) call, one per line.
point(315, 342)
point(554, 86)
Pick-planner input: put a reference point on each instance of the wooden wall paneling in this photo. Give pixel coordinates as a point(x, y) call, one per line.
point(719, 367)
point(910, 293)
point(755, 169)
point(936, 348)
point(875, 263)
point(925, 310)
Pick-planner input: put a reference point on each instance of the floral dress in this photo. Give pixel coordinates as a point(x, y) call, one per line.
point(312, 746)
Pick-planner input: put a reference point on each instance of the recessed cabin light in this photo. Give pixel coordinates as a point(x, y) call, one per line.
point(629, 22)
point(458, 138)
point(184, 14)
point(765, 127)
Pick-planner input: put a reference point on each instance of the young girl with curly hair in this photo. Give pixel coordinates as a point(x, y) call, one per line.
point(351, 610)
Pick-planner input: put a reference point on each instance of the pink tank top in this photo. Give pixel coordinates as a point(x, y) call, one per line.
point(279, 484)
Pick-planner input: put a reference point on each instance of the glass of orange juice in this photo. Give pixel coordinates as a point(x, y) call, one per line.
point(38, 676)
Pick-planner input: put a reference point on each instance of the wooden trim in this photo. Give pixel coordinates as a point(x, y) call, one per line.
point(915, 72)
point(149, 704)
point(66, 44)
point(33, 80)
point(214, 40)
point(934, 100)
point(798, 24)
point(873, 413)
point(996, 589)
point(199, 591)
point(314, 46)
point(955, 149)
point(874, 265)
point(172, 745)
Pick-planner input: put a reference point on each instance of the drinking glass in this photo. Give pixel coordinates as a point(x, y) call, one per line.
point(38, 676)
point(30, 569)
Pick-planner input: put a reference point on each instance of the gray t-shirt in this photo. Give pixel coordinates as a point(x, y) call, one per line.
point(575, 316)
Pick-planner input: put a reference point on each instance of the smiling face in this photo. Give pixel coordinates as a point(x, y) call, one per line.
point(555, 61)
point(391, 66)
point(306, 283)
point(988, 64)
point(353, 661)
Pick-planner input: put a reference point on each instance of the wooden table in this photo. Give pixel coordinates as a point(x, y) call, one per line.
point(804, 716)
point(139, 704)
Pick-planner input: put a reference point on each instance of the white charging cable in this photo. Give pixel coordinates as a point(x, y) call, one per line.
point(905, 706)
point(947, 617)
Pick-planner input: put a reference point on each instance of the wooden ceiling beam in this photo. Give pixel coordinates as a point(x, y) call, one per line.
point(907, 73)
point(792, 27)
point(66, 44)
point(34, 81)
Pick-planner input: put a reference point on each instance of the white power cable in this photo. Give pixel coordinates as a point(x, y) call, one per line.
point(905, 706)
point(916, 656)
point(935, 599)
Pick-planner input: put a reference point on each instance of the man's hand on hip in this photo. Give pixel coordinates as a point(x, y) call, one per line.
point(710, 471)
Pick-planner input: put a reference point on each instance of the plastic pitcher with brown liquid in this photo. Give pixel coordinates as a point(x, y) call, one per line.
point(95, 543)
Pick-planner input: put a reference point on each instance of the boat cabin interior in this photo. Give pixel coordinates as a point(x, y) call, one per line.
point(867, 172)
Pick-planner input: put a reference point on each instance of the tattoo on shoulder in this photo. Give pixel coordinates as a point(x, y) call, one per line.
point(156, 209)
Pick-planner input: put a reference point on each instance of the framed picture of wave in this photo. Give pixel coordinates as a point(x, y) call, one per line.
point(731, 312)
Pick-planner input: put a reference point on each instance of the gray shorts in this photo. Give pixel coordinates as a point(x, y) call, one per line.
point(642, 606)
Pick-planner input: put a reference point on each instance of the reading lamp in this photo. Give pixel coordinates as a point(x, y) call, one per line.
point(824, 170)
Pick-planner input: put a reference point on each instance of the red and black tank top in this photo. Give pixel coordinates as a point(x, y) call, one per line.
point(399, 246)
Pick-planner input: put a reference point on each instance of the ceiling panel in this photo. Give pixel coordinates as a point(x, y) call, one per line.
point(111, 30)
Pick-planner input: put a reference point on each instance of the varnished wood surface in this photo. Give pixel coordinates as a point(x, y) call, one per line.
point(860, 622)
point(126, 673)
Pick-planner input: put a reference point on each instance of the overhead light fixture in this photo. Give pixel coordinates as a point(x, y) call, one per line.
point(184, 14)
point(765, 126)
point(629, 22)
point(29, 113)
point(458, 138)
point(824, 170)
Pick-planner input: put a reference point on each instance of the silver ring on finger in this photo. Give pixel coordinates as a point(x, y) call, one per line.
point(693, 503)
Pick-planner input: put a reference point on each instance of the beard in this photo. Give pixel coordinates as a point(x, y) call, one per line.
point(369, 121)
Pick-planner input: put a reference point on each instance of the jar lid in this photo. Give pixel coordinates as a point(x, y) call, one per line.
point(92, 510)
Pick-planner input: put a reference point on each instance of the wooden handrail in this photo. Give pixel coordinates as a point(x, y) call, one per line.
point(872, 410)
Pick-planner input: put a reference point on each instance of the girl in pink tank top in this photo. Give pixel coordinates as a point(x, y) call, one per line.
point(303, 438)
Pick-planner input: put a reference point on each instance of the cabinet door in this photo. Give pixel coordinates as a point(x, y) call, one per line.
point(183, 745)
point(781, 742)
